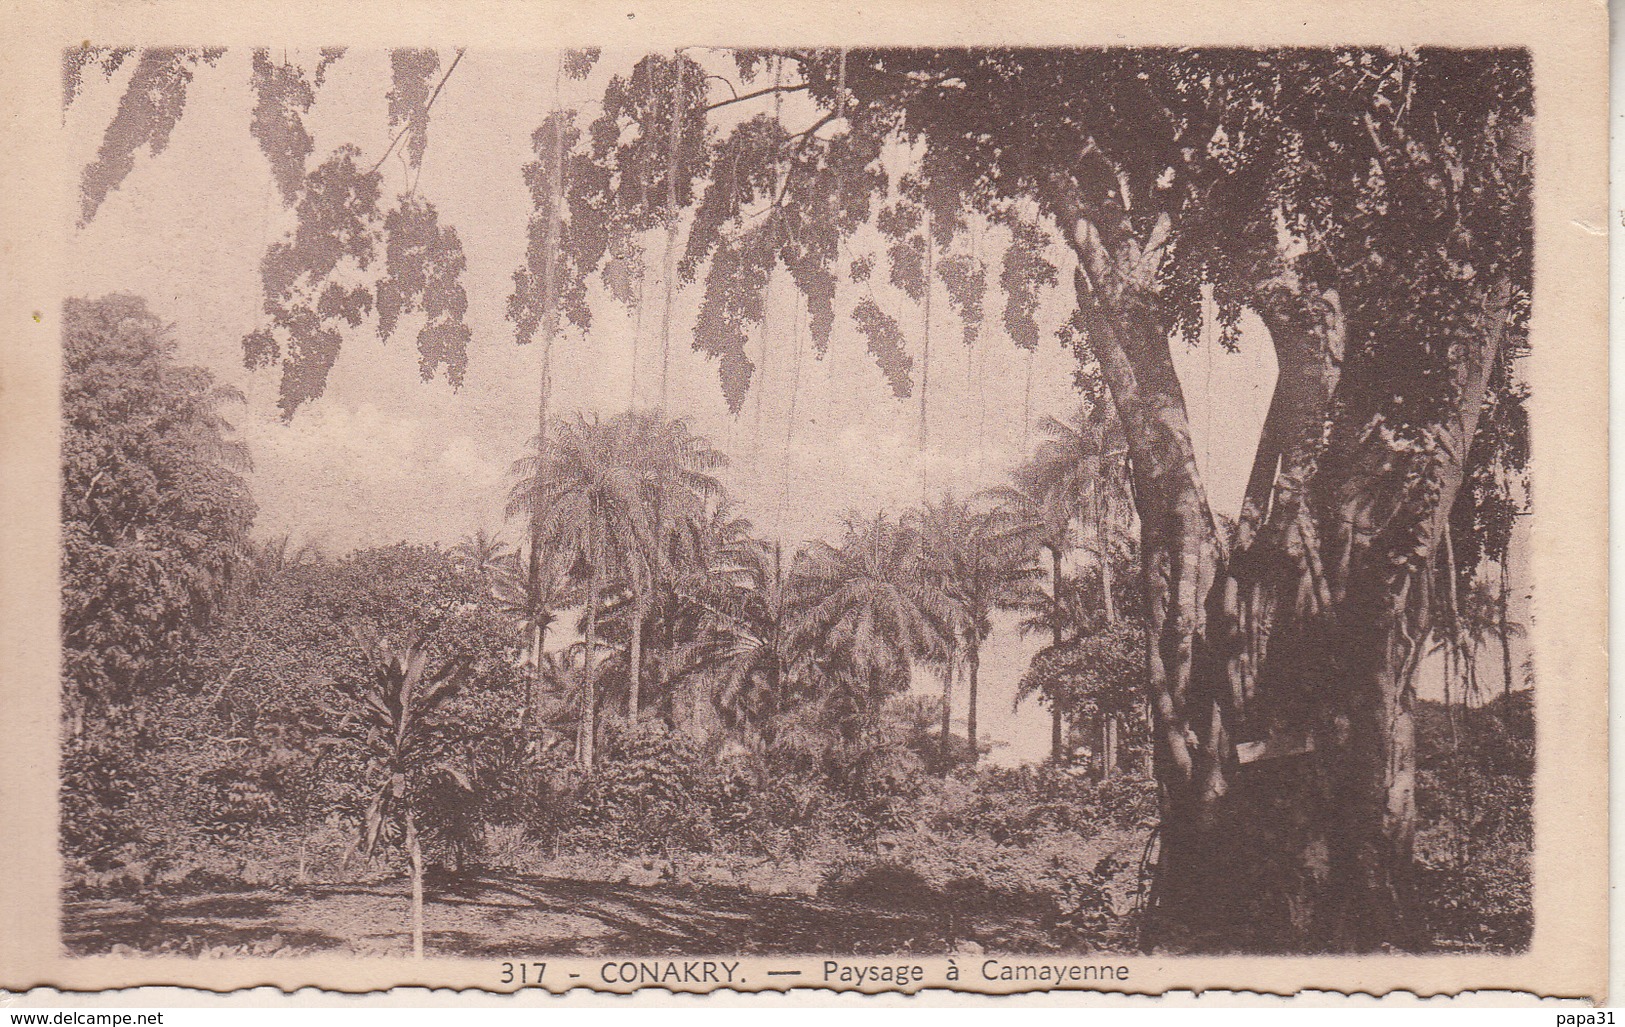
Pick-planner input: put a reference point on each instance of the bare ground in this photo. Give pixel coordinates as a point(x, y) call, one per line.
point(515, 916)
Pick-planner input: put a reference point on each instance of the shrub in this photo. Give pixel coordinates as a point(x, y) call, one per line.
point(103, 777)
point(649, 793)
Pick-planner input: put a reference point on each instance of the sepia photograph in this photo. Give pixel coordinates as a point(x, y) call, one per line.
point(1034, 507)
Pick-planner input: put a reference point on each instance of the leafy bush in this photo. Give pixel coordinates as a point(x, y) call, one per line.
point(650, 793)
point(103, 778)
point(1012, 806)
point(1475, 803)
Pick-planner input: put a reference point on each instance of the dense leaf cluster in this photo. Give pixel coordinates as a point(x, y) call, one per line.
point(1399, 178)
point(155, 509)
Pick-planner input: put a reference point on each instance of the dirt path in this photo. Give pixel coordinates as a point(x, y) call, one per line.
point(509, 917)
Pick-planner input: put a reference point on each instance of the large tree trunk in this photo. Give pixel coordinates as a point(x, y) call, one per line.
point(1284, 746)
point(948, 672)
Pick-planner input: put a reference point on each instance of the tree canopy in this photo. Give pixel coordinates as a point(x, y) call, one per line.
point(155, 509)
point(1210, 163)
point(1371, 206)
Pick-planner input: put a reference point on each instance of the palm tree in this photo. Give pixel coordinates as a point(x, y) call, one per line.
point(680, 630)
point(1077, 475)
point(549, 317)
point(1044, 510)
point(481, 554)
point(1081, 461)
point(1473, 621)
point(673, 467)
point(752, 634)
point(982, 565)
point(933, 525)
point(398, 699)
point(532, 590)
point(870, 610)
point(584, 498)
point(264, 562)
point(1096, 673)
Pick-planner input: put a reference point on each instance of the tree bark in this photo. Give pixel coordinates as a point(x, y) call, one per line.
point(1147, 767)
point(1295, 640)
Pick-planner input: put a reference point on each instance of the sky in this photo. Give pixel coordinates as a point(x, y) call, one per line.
point(383, 457)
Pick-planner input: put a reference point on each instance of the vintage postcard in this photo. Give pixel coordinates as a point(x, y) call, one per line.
point(1064, 497)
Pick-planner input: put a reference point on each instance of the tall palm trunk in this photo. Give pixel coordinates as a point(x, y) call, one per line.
point(536, 685)
point(1108, 602)
point(925, 367)
point(973, 664)
point(550, 328)
point(948, 704)
point(640, 610)
point(780, 642)
point(761, 377)
point(1503, 630)
point(790, 418)
point(538, 634)
point(1108, 747)
point(1057, 727)
point(1452, 647)
point(635, 657)
point(587, 730)
point(637, 333)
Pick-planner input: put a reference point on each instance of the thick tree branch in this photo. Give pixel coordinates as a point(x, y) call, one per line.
point(742, 97)
point(1307, 331)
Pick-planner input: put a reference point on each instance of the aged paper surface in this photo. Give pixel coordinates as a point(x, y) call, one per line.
point(892, 399)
